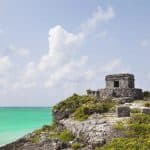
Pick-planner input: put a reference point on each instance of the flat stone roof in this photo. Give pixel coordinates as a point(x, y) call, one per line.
point(121, 75)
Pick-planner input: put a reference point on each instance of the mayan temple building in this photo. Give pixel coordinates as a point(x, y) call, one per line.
point(118, 86)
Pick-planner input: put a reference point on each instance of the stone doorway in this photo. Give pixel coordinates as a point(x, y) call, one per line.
point(116, 84)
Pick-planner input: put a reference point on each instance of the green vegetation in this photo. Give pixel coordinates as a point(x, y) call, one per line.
point(51, 132)
point(147, 104)
point(140, 119)
point(146, 94)
point(83, 112)
point(66, 136)
point(135, 110)
point(35, 139)
point(72, 103)
point(119, 126)
point(46, 129)
point(136, 134)
point(128, 144)
point(82, 106)
point(75, 146)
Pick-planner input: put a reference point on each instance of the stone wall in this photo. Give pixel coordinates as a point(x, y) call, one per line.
point(117, 92)
point(134, 93)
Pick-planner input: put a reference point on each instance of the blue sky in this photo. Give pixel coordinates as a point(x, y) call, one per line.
point(50, 49)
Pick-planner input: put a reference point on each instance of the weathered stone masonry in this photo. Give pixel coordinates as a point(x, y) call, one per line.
point(117, 86)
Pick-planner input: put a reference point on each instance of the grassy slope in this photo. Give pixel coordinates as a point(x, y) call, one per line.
point(81, 107)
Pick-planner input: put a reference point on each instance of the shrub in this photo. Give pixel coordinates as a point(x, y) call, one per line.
point(139, 119)
point(85, 110)
point(81, 113)
point(82, 106)
point(147, 104)
point(146, 93)
point(72, 103)
point(76, 146)
point(136, 135)
point(138, 130)
point(119, 126)
point(66, 136)
point(35, 139)
point(128, 144)
point(135, 110)
point(37, 132)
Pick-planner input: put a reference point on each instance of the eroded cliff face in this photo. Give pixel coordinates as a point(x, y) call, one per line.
point(95, 131)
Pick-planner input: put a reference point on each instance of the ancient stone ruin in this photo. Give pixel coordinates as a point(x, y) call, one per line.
point(118, 86)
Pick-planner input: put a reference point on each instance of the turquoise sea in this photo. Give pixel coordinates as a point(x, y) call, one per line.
point(16, 122)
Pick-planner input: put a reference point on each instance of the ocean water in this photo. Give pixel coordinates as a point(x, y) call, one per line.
point(17, 122)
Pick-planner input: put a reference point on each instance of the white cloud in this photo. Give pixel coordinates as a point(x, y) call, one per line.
point(5, 71)
point(30, 72)
point(69, 72)
point(20, 51)
point(61, 46)
point(99, 16)
point(62, 66)
point(112, 65)
point(28, 78)
point(5, 64)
